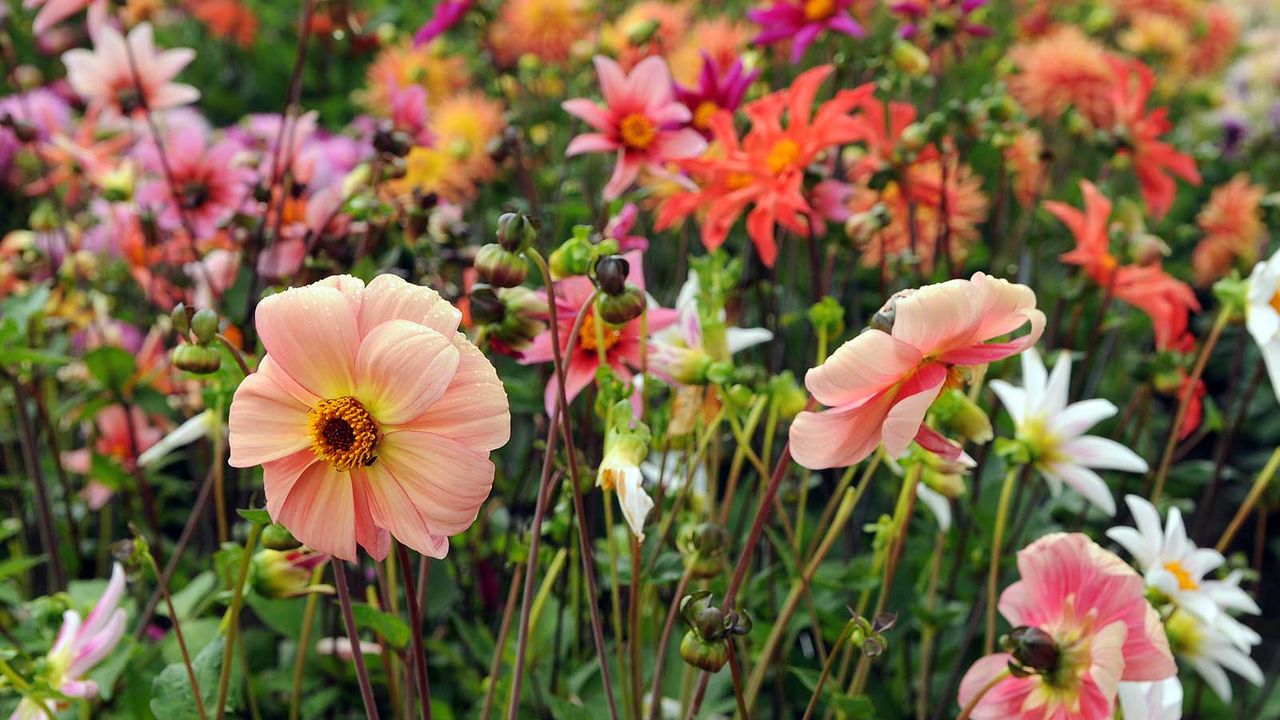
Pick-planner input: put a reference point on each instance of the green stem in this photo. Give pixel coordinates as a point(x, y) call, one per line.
point(177, 633)
point(232, 619)
point(1255, 494)
point(997, 539)
point(304, 642)
point(24, 688)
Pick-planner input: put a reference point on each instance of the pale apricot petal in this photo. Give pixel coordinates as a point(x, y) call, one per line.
point(841, 436)
point(266, 422)
point(860, 368)
point(1005, 307)
point(389, 297)
point(911, 403)
point(935, 318)
point(310, 332)
point(320, 511)
point(446, 480)
point(473, 410)
point(375, 540)
point(279, 476)
point(394, 510)
point(270, 368)
point(402, 368)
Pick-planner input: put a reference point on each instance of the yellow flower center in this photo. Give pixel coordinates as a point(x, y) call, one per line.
point(343, 433)
point(815, 10)
point(737, 181)
point(588, 340)
point(1275, 301)
point(703, 113)
point(782, 155)
point(1185, 581)
point(637, 131)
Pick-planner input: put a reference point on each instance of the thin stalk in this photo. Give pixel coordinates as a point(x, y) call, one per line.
point(615, 599)
point(1219, 324)
point(24, 688)
point(357, 655)
point(163, 587)
point(44, 512)
point(504, 628)
point(930, 632)
point(415, 624)
point(232, 619)
point(845, 633)
point(1255, 493)
point(655, 694)
point(993, 571)
point(736, 673)
point(633, 629)
point(304, 642)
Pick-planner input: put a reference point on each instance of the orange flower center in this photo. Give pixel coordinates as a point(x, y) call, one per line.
point(738, 180)
point(343, 433)
point(1185, 581)
point(703, 113)
point(782, 155)
point(588, 340)
point(1275, 301)
point(637, 131)
point(815, 10)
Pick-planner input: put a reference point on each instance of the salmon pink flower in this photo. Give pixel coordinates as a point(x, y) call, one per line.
point(879, 385)
point(765, 170)
point(1082, 626)
point(81, 644)
point(105, 76)
point(1165, 299)
point(1139, 131)
point(641, 121)
point(371, 415)
point(800, 21)
point(116, 442)
point(206, 181)
point(622, 346)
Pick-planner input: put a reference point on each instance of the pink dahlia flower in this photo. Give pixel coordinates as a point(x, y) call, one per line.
point(371, 416)
point(641, 121)
point(105, 78)
point(1091, 628)
point(879, 385)
point(801, 21)
point(208, 183)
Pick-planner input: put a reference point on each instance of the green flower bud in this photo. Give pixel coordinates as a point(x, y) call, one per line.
point(180, 316)
point(787, 393)
point(704, 547)
point(197, 359)
point(500, 267)
point(827, 317)
point(280, 574)
point(205, 325)
point(486, 306)
point(962, 417)
point(914, 137)
point(704, 655)
point(277, 537)
point(515, 232)
point(909, 59)
point(573, 257)
point(624, 307)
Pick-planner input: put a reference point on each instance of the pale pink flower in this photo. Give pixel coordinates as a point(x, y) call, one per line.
point(53, 12)
point(879, 385)
point(641, 121)
point(208, 183)
point(1100, 631)
point(622, 343)
point(81, 644)
point(105, 78)
point(371, 416)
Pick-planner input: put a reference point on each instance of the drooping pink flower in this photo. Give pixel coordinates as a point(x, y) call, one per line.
point(641, 121)
point(81, 644)
point(371, 415)
point(447, 14)
point(208, 185)
point(801, 21)
point(879, 385)
point(105, 76)
point(622, 346)
point(1095, 629)
point(53, 12)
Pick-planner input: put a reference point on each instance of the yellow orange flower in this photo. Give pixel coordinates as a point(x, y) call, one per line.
point(1062, 69)
point(465, 128)
point(546, 29)
point(660, 26)
point(1233, 230)
point(403, 65)
point(1026, 161)
point(720, 38)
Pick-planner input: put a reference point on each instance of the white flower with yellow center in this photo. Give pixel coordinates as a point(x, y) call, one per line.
point(1053, 430)
point(1262, 315)
point(1159, 700)
point(1212, 649)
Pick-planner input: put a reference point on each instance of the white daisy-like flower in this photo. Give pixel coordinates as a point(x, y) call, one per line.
point(682, 352)
point(1054, 431)
point(1213, 648)
point(1174, 565)
point(1262, 315)
point(1160, 700)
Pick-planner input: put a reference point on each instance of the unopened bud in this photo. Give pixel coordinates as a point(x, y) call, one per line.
point(962, 417)
point(197, 359)
point(1032, 648)
point(909, 58)
point(703, 654)
point(277, 537)
point(204, 324)
point(623, 308)
point(180, 316)
point(611, 274)
point(486, 306)
point(500, 267)
point(515, 233)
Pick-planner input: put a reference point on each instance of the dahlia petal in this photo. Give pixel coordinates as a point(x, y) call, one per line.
point(841, 436)
point(279, 477)
point(1002, 701)
point(390, 297)
point(650, 83)
point(474, 409)
point(680, 144)
point(311, 334)
point(864, 366)
point(1087, 483)
point(1014, 400)
point(266, 422)
point(1102, 453)
point(590, 143)
point(1076, 418)
point(589, 112)
point(394, 510)
point(447, 481)
point(320, 511)
point(903, 421)
point(369, 535)
point(402, 369)
point(580, 372)
point(613, 82)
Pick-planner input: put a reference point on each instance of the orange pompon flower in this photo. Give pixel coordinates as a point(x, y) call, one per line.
point(650, 27)
point(546, 29)
point(1026, 158)
point(402, 65)
point(1139, 132)
point(719, 38)
point(1065, 68)
point(1233, 230)
point(230, 19)
point(371, 416)
point(766, 171)
point(1168, 301)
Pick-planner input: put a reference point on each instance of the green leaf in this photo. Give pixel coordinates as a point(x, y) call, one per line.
point(110, 366)
point(16, 565)
point(257, 516)
point(392, 629)
point(855, 708)
point(562, 709)
point(191, 599)
point(171, 695)
point(35, 357)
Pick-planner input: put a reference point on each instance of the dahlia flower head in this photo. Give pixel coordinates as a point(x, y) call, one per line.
point(371, 416)
point(1096, 631)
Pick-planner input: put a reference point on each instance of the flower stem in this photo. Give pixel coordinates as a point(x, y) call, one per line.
point(415, 624)
point(232, 619)
point(659, 660)
point(845, 633)
point(1166, 459)
point(357, 655)
point(163, 587)
point(504, 629)
point(993, 571)
point(304, 642)
point(1255, 493)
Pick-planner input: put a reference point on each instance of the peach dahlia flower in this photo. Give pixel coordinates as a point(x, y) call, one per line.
point(879, 385)
point(371, 416)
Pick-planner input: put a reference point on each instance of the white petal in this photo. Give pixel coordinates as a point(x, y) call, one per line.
point(1147, 520)
point(1087, 483)
point(937, 503)
point(1014, 400)
point(1076, 418)
point(1136, 544)
point(1057, 390)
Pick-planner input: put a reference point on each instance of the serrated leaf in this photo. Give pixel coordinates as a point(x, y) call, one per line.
point(171, 695)
point(390, 627)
